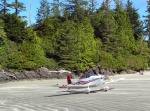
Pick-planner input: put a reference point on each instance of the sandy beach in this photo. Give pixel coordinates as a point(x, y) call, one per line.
point(132, 94)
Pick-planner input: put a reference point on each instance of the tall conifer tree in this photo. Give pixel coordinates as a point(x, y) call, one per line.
point(125, 32)
point(76, 9)
point(108, 31)
point(14, 27)
point(56, 12)
point(92, 6)
point(77, 48)
point(147, 32)
point(134, 17)
point(4, 7)
point(18, 6)
point(43, 11)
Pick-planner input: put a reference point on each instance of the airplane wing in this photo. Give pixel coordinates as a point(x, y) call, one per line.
point(112, 81)
point(69, 86)
point(77, 86)
point(60, 86)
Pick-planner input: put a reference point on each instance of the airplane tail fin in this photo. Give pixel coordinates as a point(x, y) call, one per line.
point(64, 85)
point(69, 79)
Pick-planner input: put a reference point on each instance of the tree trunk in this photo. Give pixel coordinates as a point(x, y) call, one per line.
point(16, 7)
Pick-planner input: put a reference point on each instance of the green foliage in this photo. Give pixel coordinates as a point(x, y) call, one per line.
point(77, 46)
point(55, 8)
point(18, 6)
point(26, 56)
point(48, 32)
point(134, 17)
point(2, 33)
point(96, 20)
point(147, 21)
point(4, 7)
point(43, 11)
point(76, 38)
point(33, 56)
point(105, 6)
point(115, 63)
point(107, 60)
point(137, 62)
point(120, 63)
point(8, 50)
point(125, 35)
point(34, 53)
point(2, 44)
point(14, 27)
point(76, 9)
point(108, 32)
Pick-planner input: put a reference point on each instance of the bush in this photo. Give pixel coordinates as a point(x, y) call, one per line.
point(137, 62)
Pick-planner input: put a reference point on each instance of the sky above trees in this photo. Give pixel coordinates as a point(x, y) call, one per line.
point(138, 4)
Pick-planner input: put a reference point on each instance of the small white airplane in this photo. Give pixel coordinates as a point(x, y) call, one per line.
point(88, 81)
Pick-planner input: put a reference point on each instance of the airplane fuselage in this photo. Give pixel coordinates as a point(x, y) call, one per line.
point(92, 81)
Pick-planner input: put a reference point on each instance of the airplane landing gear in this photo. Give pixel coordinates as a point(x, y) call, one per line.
point(87, 91)
point(105, 89)
point(68, 89)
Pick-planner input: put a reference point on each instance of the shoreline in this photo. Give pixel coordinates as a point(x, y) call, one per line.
point(146, 74)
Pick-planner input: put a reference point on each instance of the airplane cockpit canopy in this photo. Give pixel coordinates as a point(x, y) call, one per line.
point(87, 75)
point(90, 74)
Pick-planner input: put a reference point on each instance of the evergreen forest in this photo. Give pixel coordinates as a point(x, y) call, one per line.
point(75, 35)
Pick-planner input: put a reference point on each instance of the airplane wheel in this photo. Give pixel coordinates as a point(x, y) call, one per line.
point(105, 90)
point(68, 90)
point(86, 92)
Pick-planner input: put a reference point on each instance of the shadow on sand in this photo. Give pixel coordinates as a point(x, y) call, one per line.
point(75, 92)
